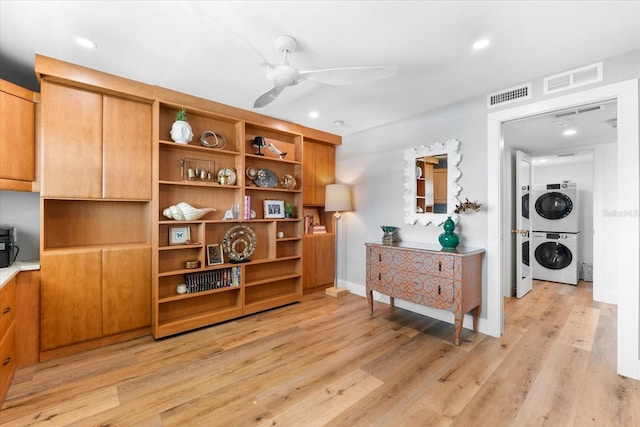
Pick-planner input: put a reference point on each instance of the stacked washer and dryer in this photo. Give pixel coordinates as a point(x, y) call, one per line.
point(556, 232)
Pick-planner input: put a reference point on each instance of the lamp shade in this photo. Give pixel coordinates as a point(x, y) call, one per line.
point(337, 198)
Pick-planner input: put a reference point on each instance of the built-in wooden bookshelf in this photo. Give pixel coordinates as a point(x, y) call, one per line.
point(273, 276)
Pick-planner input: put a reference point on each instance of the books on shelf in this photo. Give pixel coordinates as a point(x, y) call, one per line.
point(319, 229)
point(214, 279)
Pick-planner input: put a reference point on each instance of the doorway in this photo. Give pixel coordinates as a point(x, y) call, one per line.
point(498, 227)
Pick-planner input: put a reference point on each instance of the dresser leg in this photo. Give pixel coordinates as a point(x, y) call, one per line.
point(370, 301)
point(457, 324)
point(476, 315)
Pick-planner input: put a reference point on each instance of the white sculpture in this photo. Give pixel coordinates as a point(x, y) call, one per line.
point(185, 212)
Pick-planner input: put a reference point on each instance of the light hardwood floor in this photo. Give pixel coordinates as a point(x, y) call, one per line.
point(327, 362)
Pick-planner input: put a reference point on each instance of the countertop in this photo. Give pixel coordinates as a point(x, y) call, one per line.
point(15, 268)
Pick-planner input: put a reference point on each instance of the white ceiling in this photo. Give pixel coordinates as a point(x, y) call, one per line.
point(543, 134)
point(204, 48)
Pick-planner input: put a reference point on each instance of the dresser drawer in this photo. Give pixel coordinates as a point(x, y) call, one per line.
point(434, 264)
point(431, 291)
point(7, 305)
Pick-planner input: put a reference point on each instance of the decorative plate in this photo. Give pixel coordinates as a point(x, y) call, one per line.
point(252, 173)
point(266, 178)
point(230, 175)
point(239, 243)
point(288, 182)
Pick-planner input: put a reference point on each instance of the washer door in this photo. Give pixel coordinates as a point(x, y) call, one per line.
point(554, 256)
point(554, 205)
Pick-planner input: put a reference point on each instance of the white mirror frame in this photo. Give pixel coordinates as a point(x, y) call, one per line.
point(450, 148)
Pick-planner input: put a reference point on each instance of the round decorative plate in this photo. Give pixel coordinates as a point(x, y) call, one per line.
point(266, 178)
point(252, 173)
point(288, 182)
point(229, 173)
point(239, 243)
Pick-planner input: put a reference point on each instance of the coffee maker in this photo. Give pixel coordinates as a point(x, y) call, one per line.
point(8, 246)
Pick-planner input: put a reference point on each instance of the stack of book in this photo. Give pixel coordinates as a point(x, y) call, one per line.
point(215, 279)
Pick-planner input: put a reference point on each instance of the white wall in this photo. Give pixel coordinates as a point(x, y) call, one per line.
point(22, 210)
point(372, 162)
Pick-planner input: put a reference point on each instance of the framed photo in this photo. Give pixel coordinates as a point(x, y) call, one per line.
point(214, 255)
point(274, 208)
point(179, 235)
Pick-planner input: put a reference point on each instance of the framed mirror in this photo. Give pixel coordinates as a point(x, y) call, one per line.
point(431, 183)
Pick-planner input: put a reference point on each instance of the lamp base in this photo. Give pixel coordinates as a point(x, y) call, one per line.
point(336, 292)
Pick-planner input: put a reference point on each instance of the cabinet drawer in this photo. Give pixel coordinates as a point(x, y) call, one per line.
point(440, 265)
point(7, 358)
point(7, 305)
point(431, 291)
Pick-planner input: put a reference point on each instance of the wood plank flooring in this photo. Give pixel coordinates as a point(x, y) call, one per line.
point(326, 362)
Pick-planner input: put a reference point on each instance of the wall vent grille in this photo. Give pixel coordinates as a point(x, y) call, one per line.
point(573, 78)
point(509, 96)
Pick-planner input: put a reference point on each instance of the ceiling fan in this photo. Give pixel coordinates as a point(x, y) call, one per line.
point(284, 75)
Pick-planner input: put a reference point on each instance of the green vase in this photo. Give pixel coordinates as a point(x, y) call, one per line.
point(449, 240)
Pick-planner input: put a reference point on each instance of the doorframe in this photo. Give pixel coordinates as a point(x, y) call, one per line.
point(498, 230)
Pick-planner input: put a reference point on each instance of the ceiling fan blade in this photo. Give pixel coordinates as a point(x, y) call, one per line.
point(268, 96)
point(348, 76)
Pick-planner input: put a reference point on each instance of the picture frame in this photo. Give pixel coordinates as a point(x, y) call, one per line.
point(274, 209)
point(179, 235)
point(215, 255)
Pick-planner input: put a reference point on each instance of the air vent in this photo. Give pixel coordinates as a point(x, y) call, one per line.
point(573, 78)
point(509, 96)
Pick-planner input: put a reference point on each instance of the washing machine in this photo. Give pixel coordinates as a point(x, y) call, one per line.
point(555, 208)
point(555, 257)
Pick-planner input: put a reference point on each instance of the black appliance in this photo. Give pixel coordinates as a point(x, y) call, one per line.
point(7, 247)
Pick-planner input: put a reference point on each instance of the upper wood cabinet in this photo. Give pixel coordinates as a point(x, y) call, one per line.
point(94, 145)
point(319, 160)
point(17, 137)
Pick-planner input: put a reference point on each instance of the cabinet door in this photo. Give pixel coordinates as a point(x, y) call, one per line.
point(71, 142)
point(69, 298)
point(309, 173)
point(325, 170)
point(126, 149)
point(17, 138)
point(325, 259)
point(126, 289)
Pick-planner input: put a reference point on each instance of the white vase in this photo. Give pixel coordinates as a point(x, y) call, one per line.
point(418, 172)
point(181, 132)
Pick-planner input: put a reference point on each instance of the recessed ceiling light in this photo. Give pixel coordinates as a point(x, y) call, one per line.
point(481, 44)
point(569, 132)
point(85, 43)
point(313, 114)
point(338, 123)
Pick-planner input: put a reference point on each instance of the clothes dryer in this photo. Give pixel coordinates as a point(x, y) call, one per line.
point(555, 257)
point(555, 208)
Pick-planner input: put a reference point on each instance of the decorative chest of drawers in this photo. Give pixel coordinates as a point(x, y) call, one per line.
point(424, 274)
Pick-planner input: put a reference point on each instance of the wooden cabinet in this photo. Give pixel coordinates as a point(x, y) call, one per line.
point(319, 170)
point(90, 294)
point(426, 275)
point(126, 290)
point(96, 192)
point(319, 262)
point(273, 276)
point(94, 145)
point(70, 295)
point(17, 137)
point(318, 249)
point(7, 336)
